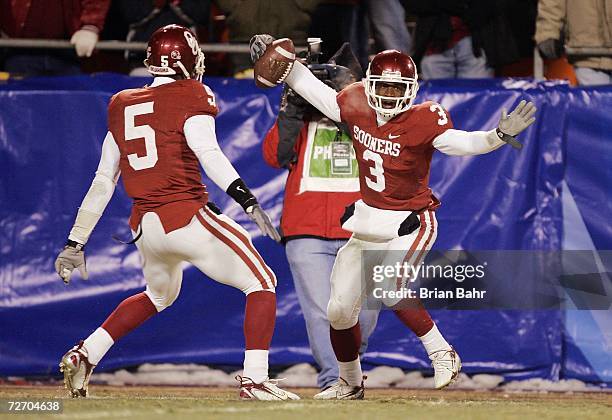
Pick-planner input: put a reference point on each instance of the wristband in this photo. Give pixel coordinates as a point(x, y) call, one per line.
point(511, 140)
point(241, 194)
point(75, 245)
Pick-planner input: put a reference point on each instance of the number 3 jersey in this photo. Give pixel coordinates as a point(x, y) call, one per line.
point(395, 158)
point(160, 171)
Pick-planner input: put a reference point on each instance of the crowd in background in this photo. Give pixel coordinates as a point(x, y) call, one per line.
point(447, 38)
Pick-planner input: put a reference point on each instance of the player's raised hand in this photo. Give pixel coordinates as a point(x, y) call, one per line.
point(516, 122)
point(263, 221)
point(69, 259)
point(258, 45)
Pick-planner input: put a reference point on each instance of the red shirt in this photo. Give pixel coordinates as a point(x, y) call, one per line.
point(159, 170)
point(394, 159)
point(51, 18)
point(307, 213)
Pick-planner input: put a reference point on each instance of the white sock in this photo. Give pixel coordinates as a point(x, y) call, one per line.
point(97, 344)
point(433, 341)
point(351, 372)
point(256, 365)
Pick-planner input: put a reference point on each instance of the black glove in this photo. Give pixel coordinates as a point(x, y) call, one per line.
point(550, 48)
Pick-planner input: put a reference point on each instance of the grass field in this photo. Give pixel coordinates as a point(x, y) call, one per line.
point(190, 402)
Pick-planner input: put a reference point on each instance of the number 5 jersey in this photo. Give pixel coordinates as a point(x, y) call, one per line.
point(160, 171)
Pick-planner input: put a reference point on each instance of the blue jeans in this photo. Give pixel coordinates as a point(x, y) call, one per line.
point(311, 261)
point(389, 30)
point(388, 19)
point(458, 62)
point(591, 77)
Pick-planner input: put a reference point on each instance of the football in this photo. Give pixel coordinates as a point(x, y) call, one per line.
point(275, 64)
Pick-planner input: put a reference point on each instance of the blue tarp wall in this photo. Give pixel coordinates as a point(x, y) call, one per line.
point(51, 131)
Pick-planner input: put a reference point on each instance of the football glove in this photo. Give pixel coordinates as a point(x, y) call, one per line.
point(263, 222)
point(512, 125)
point(258, 45)
point(71, 257)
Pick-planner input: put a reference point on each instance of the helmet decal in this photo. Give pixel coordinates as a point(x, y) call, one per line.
point(192, 42)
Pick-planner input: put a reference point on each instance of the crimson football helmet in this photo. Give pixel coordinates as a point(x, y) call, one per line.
point(394, 67)
point(173, 50)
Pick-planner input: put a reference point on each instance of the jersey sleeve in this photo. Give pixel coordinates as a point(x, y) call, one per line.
point(437, 120)
point(348, 101)
point(200, 101)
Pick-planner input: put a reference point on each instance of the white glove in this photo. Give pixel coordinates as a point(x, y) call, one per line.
point(519, 119)
point(69, 259)
point(263, 221)
point(84, 41)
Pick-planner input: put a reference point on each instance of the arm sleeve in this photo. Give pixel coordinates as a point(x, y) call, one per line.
point(314, 91)
point(551, 16)
point(100, 192)
point(201, 138)
point(464, 143)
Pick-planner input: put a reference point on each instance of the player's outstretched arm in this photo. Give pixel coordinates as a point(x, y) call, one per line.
point(462, 143)
point(302, 81)
point(201, 138)
point(90, 211)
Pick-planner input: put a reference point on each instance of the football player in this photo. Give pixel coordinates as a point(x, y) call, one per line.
point(157, 138)
point(394, 140)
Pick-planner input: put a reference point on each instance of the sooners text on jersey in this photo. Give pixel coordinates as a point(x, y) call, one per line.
point(394, 159)
point(159, 170)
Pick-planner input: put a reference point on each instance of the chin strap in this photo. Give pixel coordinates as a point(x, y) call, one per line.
point(184, 70)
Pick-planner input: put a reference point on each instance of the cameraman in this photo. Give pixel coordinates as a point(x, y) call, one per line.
point(322, 181)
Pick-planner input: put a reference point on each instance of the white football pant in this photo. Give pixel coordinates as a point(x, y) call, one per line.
point(215, 244)
point(348, 288)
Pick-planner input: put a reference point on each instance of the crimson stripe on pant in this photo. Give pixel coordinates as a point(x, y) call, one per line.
point(431, 234)
point(244, 240)
point(235, 248)
point(413, 247)
point(415, 316)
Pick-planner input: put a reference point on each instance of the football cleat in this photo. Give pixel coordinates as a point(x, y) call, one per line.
point(77, 370)
point(446, 364)
point(341, 390)
point(265, 391)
